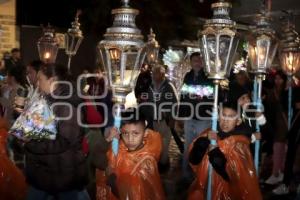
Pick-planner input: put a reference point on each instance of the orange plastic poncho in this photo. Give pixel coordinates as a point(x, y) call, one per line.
point(137, 173)
point(243, 183)
point(12, 182)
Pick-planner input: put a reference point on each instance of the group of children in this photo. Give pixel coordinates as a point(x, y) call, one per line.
point(133, 173)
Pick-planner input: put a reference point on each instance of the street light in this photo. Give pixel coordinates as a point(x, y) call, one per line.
point(218, 43)
point(73, 39)
point(48, 45)
point(290, 59)
point(122, 53)
point(262, 47)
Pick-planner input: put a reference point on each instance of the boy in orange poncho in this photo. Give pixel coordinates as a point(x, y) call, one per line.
point(12, 182)
point(234, 175)
point(133, 173)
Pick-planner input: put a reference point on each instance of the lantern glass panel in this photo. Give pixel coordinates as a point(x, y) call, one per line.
point(262, 50)
point(290, 62)
point(152, 53)
point(47, 51)
point(218, 52)
point(72, 43)
point(121, 66)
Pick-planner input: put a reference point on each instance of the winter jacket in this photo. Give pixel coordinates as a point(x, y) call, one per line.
point(58, 165)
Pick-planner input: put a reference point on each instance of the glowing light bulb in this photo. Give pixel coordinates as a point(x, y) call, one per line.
point(47, 55)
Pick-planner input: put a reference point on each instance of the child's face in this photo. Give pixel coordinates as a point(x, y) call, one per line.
point(244, 100)
point(133, 135)
point(228, 119)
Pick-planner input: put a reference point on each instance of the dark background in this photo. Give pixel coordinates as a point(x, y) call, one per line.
point(170, 20)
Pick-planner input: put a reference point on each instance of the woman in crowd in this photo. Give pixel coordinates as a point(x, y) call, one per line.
point(279, 125)
point(57, 168)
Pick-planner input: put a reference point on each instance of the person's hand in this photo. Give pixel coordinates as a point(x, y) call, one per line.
point(257, 135)
point(112, 133)
point(212, 135)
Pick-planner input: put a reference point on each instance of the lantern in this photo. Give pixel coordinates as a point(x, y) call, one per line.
point(152, 48)
point(218, 42)
point(289, 50)
point(262, 45)
point(122, 52)
point(73, 39)
point(48, 46)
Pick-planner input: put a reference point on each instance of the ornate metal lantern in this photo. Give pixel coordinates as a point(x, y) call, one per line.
point(122, 51)
point(73, 39)
point(218, 41)
point(262, 45)
point(48, 46)
point(152, 48)
point(289, 50)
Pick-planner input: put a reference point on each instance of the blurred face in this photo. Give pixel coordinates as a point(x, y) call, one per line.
point(44, 83)
point(278, 81)
point(32, 75)
point(10, 80)
point(133, 135)
point(158, 75)
point(244, 100)
point(241, 79)
point(196, 63)
point(228, 120)
point(16, 55)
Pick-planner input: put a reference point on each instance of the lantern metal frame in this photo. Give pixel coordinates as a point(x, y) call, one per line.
point(48, 45)
point(122, 53)
point(73, 39)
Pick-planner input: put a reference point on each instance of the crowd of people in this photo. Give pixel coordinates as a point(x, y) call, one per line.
point(79, 162)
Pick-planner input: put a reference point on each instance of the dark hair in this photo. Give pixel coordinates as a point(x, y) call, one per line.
point(132, 116)
point(36, 65)
point(15, 50)
point(55, 70)
point(282, 75)
point(194, 55)
point(18, 72)
point(231, 105)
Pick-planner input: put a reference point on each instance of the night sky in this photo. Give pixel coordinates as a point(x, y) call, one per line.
point(170, 19)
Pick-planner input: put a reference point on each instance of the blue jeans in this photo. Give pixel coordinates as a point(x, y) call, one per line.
point(36, 194)
point(192, 129)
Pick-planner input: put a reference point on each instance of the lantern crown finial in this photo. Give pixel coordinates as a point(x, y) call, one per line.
point(75, 26)
point(221, 18)
point(125, 3)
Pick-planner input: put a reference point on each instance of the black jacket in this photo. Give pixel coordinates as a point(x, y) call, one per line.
point(157, 111)
point(191, 80)
point(58, 165)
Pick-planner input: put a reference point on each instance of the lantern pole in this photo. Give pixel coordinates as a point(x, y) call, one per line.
point(213, 142)
point(290, 109)
point(258, 102)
